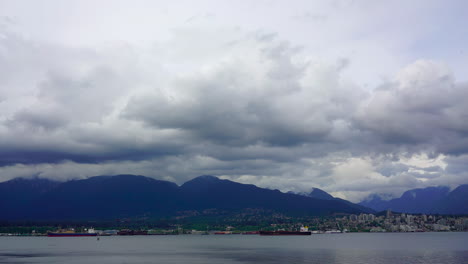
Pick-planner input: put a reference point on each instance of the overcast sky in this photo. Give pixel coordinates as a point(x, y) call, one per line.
point(354, 97)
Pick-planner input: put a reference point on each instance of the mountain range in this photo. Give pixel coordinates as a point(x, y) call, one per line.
point(127, 196)
point(430, 200)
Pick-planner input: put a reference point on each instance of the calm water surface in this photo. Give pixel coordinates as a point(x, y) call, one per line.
point(323, 248)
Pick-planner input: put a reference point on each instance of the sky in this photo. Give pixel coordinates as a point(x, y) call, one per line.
point(353, 97)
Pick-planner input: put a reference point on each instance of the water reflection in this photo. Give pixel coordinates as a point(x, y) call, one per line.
point(352, 248)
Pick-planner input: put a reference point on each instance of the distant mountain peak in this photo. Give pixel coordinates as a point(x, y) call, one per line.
point(436, 199)
point(320, 194)
point(207, 178)
point(316, 193)
point(202, 180)
point(430, 191)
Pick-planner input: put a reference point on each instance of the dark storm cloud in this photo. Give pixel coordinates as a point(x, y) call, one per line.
point(241, 105)
point(116, 152)
point(271, 102)
point(38, 157)
point(57, 108)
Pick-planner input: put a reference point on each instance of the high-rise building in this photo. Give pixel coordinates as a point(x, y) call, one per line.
point(389, 213)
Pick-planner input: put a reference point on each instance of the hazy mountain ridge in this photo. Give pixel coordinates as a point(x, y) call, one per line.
point(122, 196)
point(321, 194)
point(430, 200)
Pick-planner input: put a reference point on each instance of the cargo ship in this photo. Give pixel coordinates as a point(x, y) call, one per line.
point(251, 233)
point(223, 233)
point(129, 232)
point(72, 233)
point(304, 231)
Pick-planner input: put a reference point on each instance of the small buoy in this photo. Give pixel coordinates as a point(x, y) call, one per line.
point(98, 238)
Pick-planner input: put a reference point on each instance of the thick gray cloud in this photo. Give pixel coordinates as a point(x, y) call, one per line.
point(315, 97)
point(423, 107)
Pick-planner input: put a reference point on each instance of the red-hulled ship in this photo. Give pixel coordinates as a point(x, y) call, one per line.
point(251, 233)
point(285, 233)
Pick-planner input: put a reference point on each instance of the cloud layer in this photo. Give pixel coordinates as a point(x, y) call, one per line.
point(246, 104)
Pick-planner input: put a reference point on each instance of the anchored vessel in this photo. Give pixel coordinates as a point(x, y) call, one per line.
point(303, 232)
point(72, 233)
point(128, 232)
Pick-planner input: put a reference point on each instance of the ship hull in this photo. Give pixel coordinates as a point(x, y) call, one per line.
point(285, 233)
point(71, 234)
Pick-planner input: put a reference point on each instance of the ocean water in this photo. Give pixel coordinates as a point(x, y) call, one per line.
point(321, 248)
